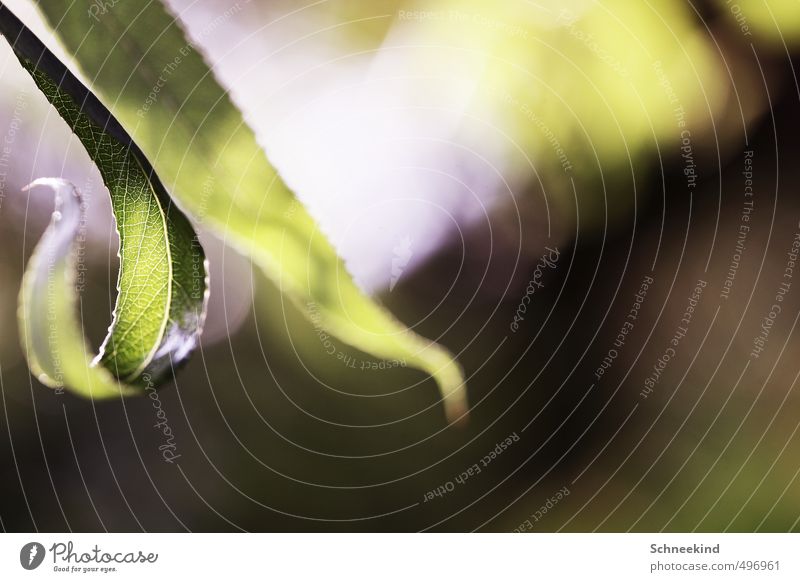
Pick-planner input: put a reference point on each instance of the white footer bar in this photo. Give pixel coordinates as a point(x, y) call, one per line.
point(400, 557)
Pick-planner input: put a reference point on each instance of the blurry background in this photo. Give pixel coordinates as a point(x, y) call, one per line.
point(646, 149)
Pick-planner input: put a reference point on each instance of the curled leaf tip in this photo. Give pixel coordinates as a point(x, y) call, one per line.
point(51, 326)
point(56, 184)
point(453, 389)
point(162, 287)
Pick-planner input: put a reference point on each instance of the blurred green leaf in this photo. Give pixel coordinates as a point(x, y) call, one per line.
point(589, 90)
point(776, 20)
point(159, 87)
point(162, 279)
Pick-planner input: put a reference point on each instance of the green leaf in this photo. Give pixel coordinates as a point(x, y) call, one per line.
point(159, 87)
point(162, 286)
